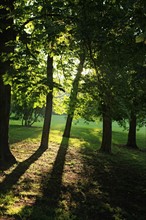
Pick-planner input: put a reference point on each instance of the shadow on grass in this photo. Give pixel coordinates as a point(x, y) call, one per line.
point(91, 137)
point(115, 188)
point(20, 133)
point(120, 137)
point(111, 187)
point(46, 206)
point(54, 203)
point(12, 178)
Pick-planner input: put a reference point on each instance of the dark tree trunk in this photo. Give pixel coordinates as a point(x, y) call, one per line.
point(48, 110)
point(67, 129)
point(7, 35)
point(131, 142)
point(6, 156)
point(73, 97)
point(106, 134)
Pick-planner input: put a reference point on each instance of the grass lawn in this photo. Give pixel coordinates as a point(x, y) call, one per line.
point(71, 180)
point(80, 130)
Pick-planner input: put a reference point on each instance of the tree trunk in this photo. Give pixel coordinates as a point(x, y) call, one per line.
point(67, 129)
point(6, 156)
point(7, 35)
point(73, 97)
point(106, 134)
point(48, 109)
point(131, 142)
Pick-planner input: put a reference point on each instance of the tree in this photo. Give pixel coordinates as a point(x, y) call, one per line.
point(131, 142)
point(39, 31)
point(99, 38)
point(73, 96)
point(7, 36)
point(111, 46)
point(49, 103)
point(29, 87)
point(136, 105)
point(137, 79)
point(55, 26)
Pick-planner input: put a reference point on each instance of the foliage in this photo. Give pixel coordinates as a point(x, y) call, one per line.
point(28, 90)
point(112, 34)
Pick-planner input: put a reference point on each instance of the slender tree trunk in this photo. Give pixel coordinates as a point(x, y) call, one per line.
point(67, 129)
point(48, 110)
point(5, 97)
point(106, 134)
point(73, 97)
point(131, 142)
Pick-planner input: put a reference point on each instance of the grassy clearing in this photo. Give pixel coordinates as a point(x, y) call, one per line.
point(91, 132)
point(72, 180)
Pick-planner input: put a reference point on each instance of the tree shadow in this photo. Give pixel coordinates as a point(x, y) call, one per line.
point(115, 187)
point(51, 205)
point(52, 187)
point(108, 188)
point(12, 178)
point(23, 133)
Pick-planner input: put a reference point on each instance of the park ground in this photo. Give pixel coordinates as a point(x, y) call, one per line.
point(72, 180)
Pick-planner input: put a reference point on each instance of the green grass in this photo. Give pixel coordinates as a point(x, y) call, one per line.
point(88, 131)
point(71, 180)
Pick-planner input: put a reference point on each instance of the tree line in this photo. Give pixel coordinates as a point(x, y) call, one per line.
point(89, 54)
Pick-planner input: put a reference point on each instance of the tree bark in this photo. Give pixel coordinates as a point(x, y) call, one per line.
point(73, 97)
point(48, 109)
point(131, 142)
point(106, 134)
point(68, 125)
point(7, 35)
point(6, 156)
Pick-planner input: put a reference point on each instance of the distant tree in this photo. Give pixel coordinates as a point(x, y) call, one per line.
point(113, 53)
point(137, 80)
point(29, 89)
point(136, 104)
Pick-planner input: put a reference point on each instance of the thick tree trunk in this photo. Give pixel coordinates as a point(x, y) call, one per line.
point(106, 134)
point(7, 35)
point(48, 110)
point(131, 142)
point(73, 97)
point(6, 156)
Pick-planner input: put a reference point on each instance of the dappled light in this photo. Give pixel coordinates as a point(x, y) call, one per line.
point(73, 180)
point(72, 110)
point(18, 133)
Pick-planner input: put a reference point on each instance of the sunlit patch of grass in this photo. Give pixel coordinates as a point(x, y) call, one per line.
point(76, 142)
point(88, 137)
point(6, 202)
point(91, 182)
point(90, 132)
point(21, 212)
point(55, 136)
point(15, 210)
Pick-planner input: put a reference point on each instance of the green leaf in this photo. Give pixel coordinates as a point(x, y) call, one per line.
point(140, 38)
